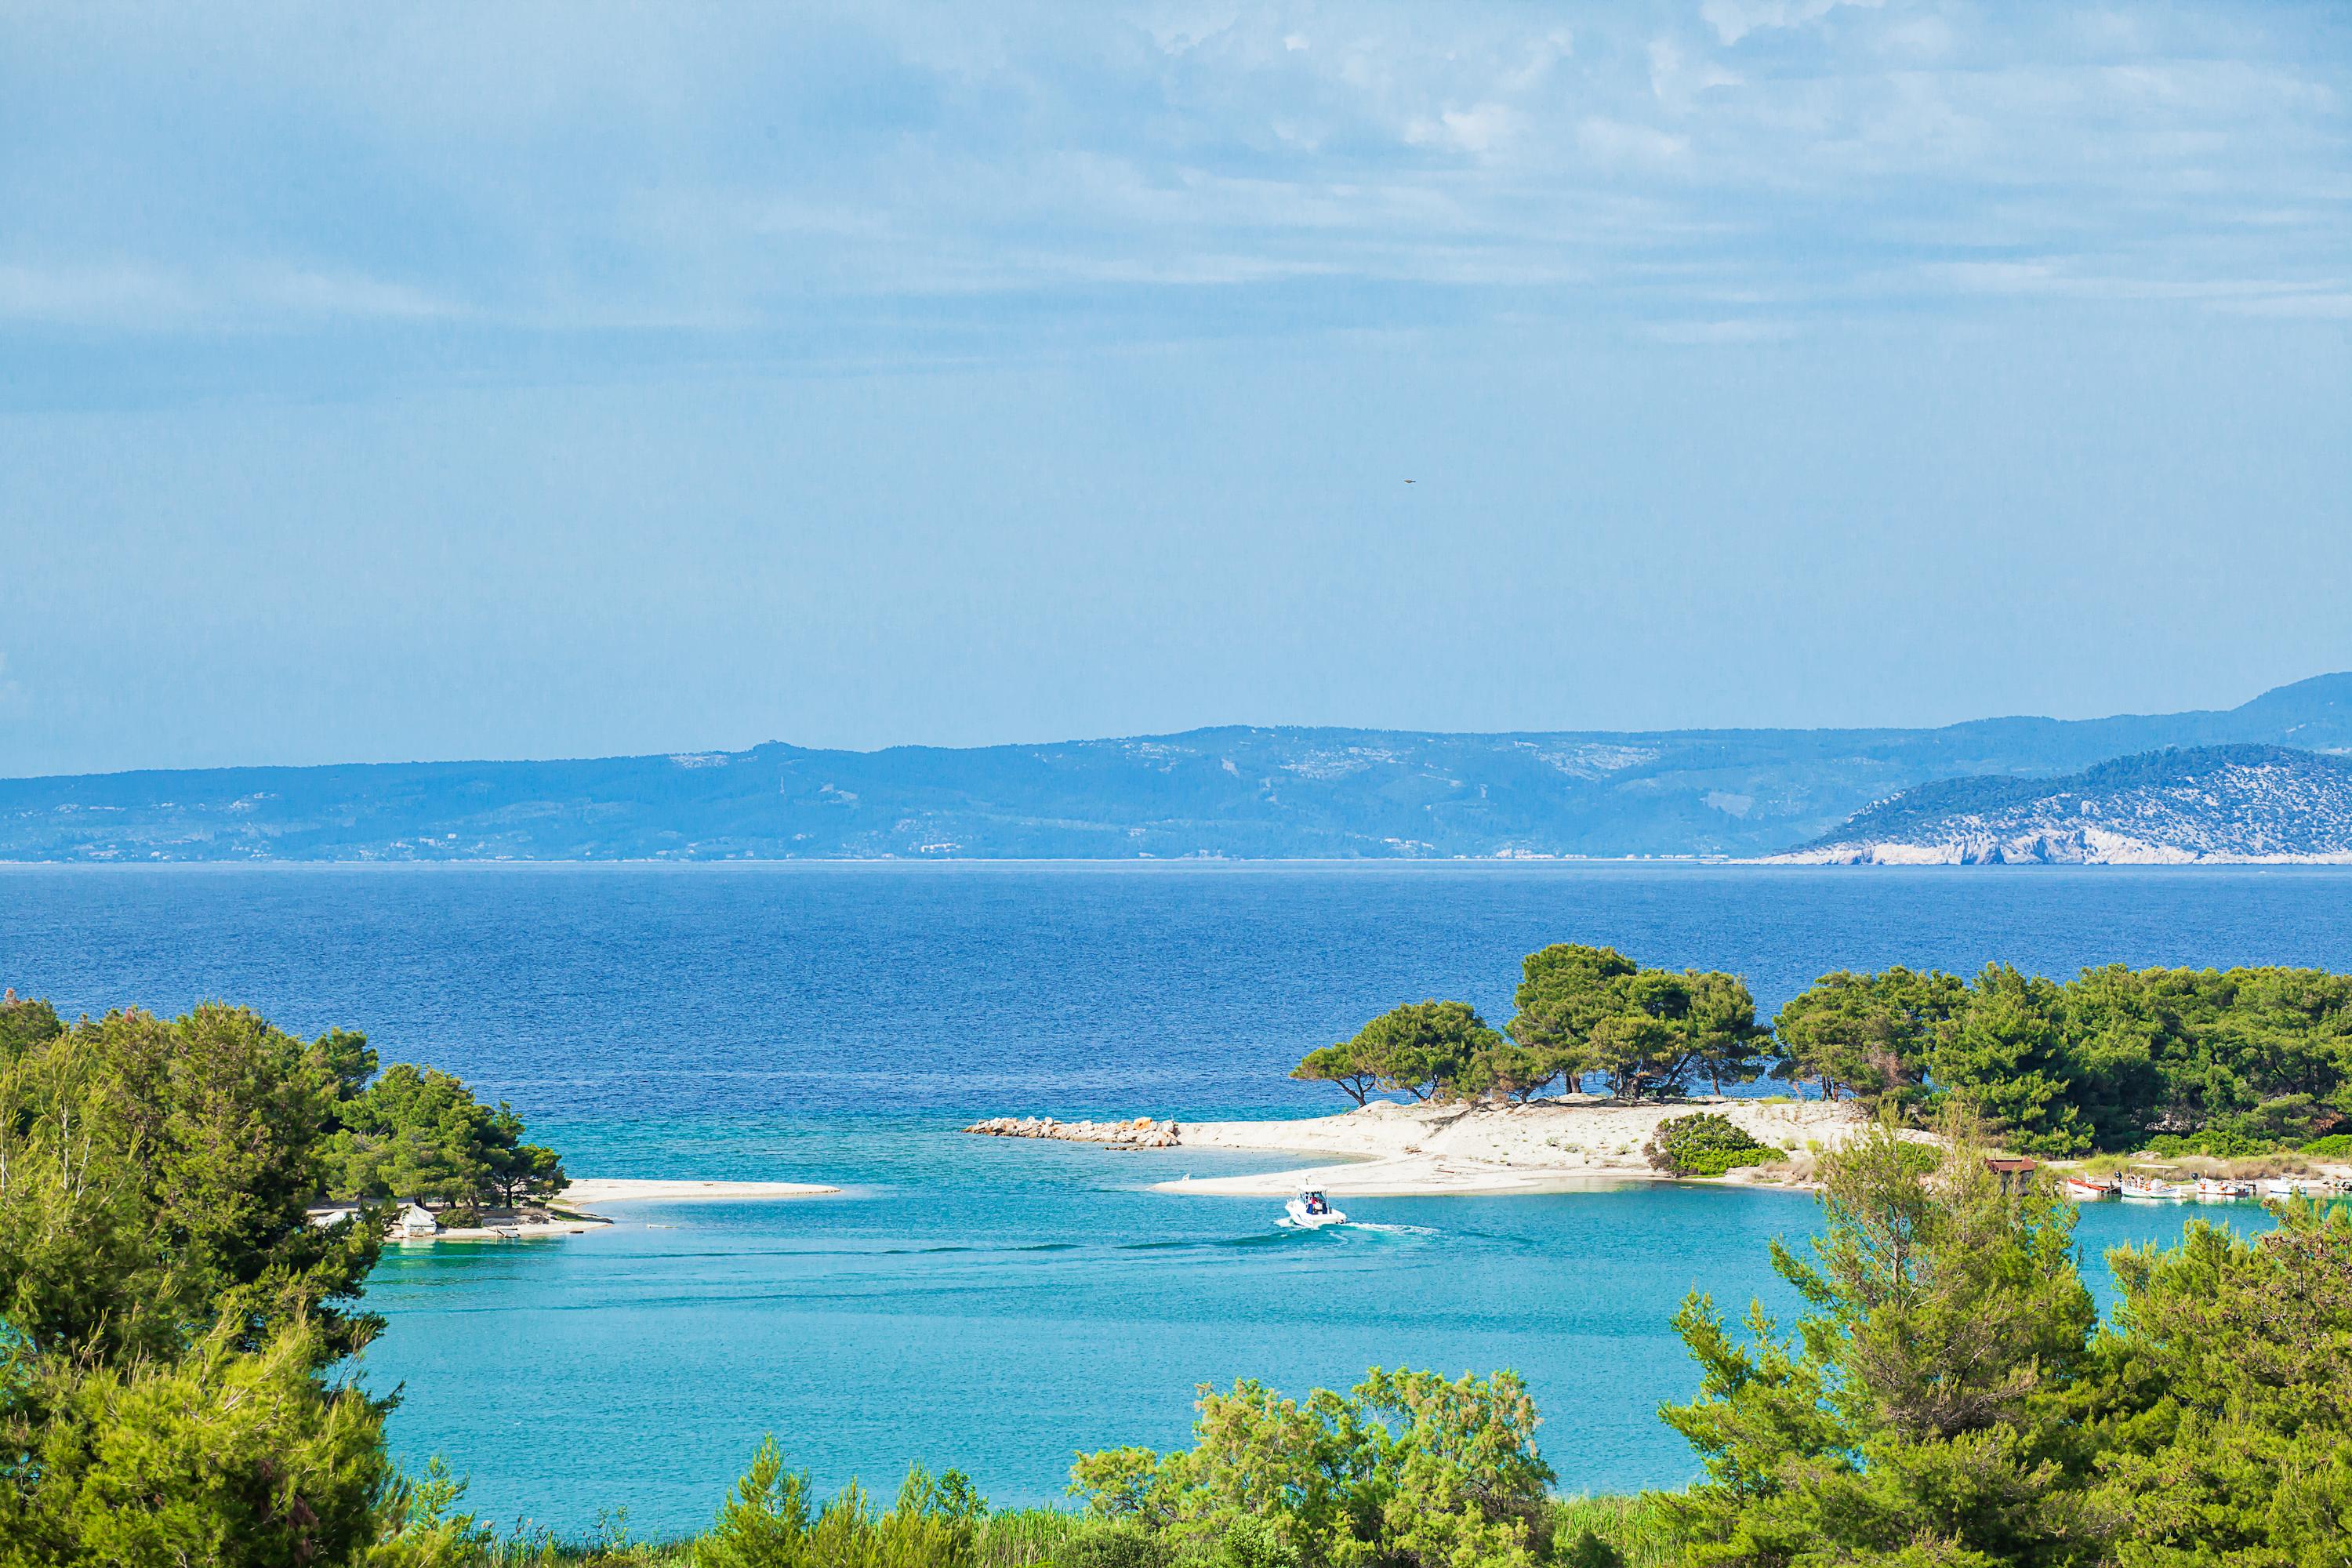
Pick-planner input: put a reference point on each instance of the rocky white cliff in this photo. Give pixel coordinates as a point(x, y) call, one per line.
point(2204, 804)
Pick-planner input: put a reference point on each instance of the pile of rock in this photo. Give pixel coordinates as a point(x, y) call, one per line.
point(1140, 1133)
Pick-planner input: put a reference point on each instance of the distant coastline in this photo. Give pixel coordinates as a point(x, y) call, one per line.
point(1243, 793)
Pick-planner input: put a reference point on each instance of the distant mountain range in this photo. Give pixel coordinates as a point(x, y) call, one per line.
point(1282, 792)
point(2204, 804)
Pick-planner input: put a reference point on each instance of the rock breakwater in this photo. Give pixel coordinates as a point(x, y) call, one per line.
point(1142, 1133)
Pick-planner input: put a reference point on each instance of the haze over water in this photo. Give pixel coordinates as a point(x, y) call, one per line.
point(996, 1305)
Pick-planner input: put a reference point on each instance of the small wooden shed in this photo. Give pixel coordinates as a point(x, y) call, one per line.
point(2011, 1171)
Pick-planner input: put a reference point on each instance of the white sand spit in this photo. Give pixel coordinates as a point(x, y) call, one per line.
point(1552, 1145)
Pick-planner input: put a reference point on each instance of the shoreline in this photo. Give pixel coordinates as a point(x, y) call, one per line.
point(1568, 1143)
point(572, 1212)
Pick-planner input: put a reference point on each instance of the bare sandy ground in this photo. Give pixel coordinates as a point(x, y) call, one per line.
point(1554, 1145)
point(594, 1189)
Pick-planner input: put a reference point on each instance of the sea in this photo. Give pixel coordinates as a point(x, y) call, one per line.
point(998, 1306)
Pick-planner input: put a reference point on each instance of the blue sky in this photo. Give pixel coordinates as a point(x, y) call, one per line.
point(447, 380)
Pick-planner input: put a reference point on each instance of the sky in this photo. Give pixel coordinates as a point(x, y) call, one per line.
point(444, 380)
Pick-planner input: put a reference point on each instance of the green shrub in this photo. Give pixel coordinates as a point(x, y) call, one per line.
point(1706, 1144)
point(1113, 1543)
point(1587, 1550)
point(1408, 1467)
point(767, 1523)
point(2334, 1146)
point(1254, 1541)
point(2217, 1142)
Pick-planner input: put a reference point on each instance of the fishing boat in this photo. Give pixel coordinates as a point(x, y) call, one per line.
point(2087, 1189)
point(2220, 1190)
point(2154, 1189)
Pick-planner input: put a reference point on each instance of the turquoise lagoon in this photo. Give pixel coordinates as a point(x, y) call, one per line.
point(998, 1305)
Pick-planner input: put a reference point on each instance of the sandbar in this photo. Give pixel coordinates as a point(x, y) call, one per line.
point(1563, 1144)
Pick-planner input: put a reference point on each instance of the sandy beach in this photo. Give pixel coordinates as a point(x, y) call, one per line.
point(1553, 1146)
point(590, 1191)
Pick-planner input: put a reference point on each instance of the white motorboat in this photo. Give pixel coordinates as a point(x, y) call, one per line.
point(2084, 1191)
point(1312, 1211)
point(2281, 1188)
point(2221, 1190)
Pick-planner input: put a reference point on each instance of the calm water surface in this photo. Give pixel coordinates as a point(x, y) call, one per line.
point(997, 1305)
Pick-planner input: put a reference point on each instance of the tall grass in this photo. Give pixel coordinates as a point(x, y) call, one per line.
point(1634, 1525)
point(1023, 1537)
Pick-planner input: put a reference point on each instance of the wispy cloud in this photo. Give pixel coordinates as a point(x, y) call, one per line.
point(561, 166)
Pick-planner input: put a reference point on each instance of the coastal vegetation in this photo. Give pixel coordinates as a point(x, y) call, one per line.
point(173, 1330)
point(171, 1318)
point(1582, 1011)
point(175, 1382)
point(1704, 1145)
point(416, 1133)
point(1949, 1397)
point(2180, 1061)
point(2213, 1061)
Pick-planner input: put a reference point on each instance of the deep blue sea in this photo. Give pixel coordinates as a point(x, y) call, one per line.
point(996, 1305)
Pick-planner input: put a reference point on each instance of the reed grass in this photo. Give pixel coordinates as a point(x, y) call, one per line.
point(1634, 1525)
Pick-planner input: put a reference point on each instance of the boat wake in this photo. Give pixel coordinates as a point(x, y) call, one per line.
point(1355, 1227)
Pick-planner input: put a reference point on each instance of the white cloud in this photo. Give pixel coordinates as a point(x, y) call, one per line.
point(1728, 332)
point(595, 168)
point(94, 293)
point(1615, 143)
point(146, 296)
point(1734, 19)
point(1478, 129)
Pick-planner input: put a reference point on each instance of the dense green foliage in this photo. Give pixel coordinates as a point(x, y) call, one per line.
point(172, 1328)
point(169, 1312)
point(1426, 1049)
point(1862, 1035)
point(2224, 1427)
point(170, 1321)
point(1930, 1400)
point(1949, 1398)
point(1706, 1144)
point(1580, 1011)
point(414, 1132)
point(155, 1177)
point(770, 1522)
point(1645, 1031)
point(2220, 1062)
point(1409, 1468)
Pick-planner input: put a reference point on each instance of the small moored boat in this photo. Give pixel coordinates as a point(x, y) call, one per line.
point(2086, 1189)
point(2154, 1189)
point(2283, 1187)
point(1312, 1211)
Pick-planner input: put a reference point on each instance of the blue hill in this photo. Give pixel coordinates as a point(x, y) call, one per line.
point(1279, 792)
